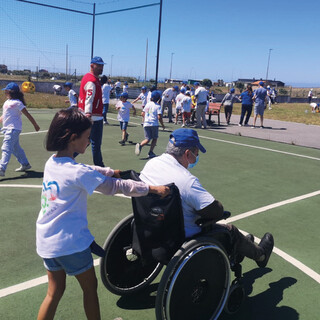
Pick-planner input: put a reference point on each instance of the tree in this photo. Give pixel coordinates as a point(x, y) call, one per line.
point(206, 83)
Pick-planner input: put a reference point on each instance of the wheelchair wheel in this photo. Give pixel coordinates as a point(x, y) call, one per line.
point(196, 282)
point(122, 272)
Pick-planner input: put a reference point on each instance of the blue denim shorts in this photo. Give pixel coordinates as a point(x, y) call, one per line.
point(72, 264)
point(123, 125)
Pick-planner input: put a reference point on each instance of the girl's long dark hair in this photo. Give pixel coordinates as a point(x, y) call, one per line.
point(249, 89)
point(65, 123)
point(17, 95)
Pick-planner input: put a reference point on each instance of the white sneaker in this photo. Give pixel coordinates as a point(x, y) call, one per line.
point(105, 123)
point(137, 151)
point(23, 168)
point(2, 173)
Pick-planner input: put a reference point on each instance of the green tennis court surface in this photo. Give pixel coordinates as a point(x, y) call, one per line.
point(276, 184)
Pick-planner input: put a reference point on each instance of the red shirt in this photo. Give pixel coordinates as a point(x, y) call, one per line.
point(90, 95)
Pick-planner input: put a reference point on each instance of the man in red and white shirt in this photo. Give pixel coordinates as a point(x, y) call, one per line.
point(90, 102)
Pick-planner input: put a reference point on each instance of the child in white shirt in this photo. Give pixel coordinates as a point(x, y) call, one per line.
point(123, 106)
point(12, 126)
point(64, 241)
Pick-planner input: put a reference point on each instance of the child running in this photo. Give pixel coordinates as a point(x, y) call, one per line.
point(152, 116)
point(12, 126)
point(64, 241)
point(123, 106)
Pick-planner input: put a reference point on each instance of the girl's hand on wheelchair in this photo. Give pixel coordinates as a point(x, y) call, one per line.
point(162, 191)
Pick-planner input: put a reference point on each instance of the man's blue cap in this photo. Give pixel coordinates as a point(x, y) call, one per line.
point(97, 60)
point(261, 83)
point(12, 86)
point(232, 90)
point(196, 83)
point(186, 138)
point(155, 95)
point(144, 88)
point(183, 90)
point(124, 95)
point(176, 88)
point(68, 84)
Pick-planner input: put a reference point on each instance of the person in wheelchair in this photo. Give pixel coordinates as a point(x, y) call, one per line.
point(182, 153)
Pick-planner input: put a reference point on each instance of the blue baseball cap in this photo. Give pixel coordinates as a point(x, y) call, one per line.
point(186, 138)
point(144, 88)
point(68, 84)
point(261, 83)
point(183, 90)
point(176, 88)
point(124, 95)
point(97, 60)
point(12, 86)
point(155, 95)
point(232, 90)
point(196, 83)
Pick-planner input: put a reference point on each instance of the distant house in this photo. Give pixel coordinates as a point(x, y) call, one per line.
point(255, 82)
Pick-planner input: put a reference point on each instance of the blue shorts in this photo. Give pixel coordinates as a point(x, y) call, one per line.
point(259, 109)
point(151, 132)
point(123, 125)
point(72, 264)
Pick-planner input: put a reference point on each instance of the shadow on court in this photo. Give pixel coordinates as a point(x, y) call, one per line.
point(26, 175)
point(264, 306)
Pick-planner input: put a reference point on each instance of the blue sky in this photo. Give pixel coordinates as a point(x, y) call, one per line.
point(227, 39)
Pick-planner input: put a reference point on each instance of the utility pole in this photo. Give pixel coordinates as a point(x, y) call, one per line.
point(146, 64)
point(268, 64)
point(172, 53)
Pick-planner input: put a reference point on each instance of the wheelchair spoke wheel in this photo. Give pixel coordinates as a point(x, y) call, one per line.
point(195, 284)
point(123, 272)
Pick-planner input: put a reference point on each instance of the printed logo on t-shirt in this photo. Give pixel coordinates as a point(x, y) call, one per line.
point(50, 192)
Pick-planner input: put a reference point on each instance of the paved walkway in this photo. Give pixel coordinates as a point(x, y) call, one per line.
point(274, 130)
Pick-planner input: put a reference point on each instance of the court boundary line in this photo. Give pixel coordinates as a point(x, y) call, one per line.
point(296, 263)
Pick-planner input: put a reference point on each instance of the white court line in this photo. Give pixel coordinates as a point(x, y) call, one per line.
point(305, 269)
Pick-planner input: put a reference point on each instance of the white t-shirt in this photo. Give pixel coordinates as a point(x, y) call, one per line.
point(72, 95)
point(143, 97)
point(125, 88)
point(179, 99)
point(148, 96)
point(62, 225)
point(166, 169)
point(201, 95)
point(169, 94)
point(151, 112)
point(186, 104)
point(106, 88)
point(123, 111)
point(12, 114)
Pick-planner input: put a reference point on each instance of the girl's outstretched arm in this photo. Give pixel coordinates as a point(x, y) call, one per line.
point(31, 119)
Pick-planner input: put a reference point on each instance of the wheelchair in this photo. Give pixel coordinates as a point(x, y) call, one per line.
point(197, 282)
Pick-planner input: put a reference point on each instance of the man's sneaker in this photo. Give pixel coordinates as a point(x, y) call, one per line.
point(23, 168)
point(266, 244)
point(2, 173)
point(105, 123)
point(127, 136)
point(151, 154)
point(122, 142)
point(137, 151)
point(239, 257)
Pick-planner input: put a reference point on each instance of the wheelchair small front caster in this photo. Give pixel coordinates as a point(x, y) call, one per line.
point(236, 297)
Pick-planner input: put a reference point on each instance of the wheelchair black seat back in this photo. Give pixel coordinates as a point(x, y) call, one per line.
point(196, 282)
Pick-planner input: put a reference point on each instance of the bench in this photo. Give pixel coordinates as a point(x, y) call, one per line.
point(214, 109)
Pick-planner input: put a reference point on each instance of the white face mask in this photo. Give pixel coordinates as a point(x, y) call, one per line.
point(192, 165)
